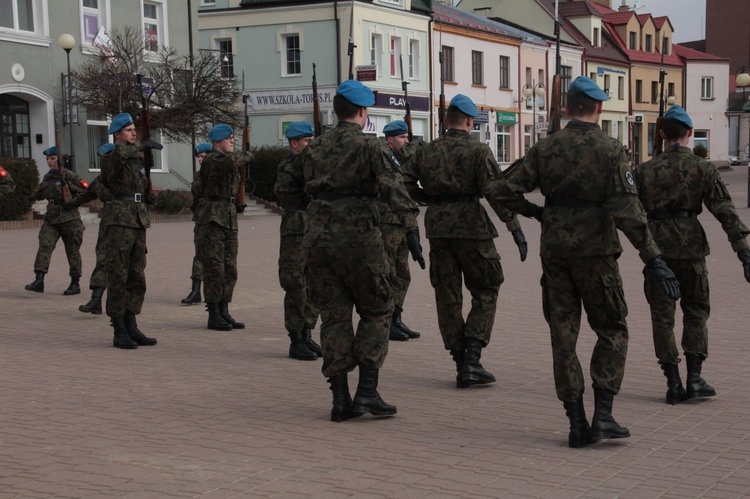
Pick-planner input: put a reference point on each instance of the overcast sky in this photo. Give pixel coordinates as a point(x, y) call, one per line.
point(688, 17)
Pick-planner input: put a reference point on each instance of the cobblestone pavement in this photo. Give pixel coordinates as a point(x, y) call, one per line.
point(228, 414)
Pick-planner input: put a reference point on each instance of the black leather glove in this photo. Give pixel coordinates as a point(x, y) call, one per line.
point(412, 241)
point(520, 241)
point(152, 144)
point(744, 256)
point(149, 200)
point(241, 208)
point(69, 205)
point(657, 269)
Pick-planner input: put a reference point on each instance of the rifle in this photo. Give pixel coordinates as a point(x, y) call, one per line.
point(148, 158)
point(404, 83)
point(658, 141)
point(441, 109)
point(350, 49)
point(66, 196)
point(240, 198)
point(555, 108)
point(317, 125)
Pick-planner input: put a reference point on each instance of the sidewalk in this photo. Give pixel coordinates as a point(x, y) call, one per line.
point(213, 414)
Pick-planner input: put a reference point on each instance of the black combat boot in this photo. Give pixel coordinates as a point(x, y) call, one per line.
point(131, 326)
point(603, 425)
point(310, 342)
point(224, 311)
point(403, 327)
point(473, 373)
point(396, 334)
point(458, 358)
point(342, 400)
point(675, 391)
point(298, 348)
point(580, 430)
point(215, 319)
point(38, 285)
point(195, 294)
point(74, 288)
point(367, 398)
point(121, 339)
point(696, 385)
point(94, 306)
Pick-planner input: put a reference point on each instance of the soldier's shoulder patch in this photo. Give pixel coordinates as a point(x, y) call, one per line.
point(84, 184)
point(3, 173)
point(395, 160)
point(143, 171)
point(629, 177)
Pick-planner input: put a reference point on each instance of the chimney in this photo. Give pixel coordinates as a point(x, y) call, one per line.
point(624, 7)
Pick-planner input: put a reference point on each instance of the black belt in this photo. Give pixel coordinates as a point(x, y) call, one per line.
point(455, 198)
point(221, 199)
point(135, 198)
point(334, 196)
point(571, 203)
point(667, 214)
point(294, 211)
point(53, 202)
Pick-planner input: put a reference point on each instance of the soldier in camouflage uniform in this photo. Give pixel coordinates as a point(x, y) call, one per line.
point(299, 314)
point(196, 275)
point(61, 220)
point(343, 172)
point(7, 184)
point(673, 187)
point(397, 138)
point(455, 171)
point(126, 219)
point(216, 219)
point(589, 193)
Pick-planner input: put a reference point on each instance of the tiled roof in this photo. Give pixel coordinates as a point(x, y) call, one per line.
point(688, 53)
point(577, 9)
point(456, 17)
point(642, 18)
point(617, 18)
point(641, 56)
point(416, 5)
point(602, 9)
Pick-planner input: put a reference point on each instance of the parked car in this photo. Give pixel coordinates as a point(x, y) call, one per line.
point(733, 160)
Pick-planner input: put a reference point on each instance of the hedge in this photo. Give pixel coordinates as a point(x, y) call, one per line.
point(263, 168)
point(16, 205)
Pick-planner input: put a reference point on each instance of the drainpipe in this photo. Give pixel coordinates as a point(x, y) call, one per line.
point(338, 41)
point(432, 78)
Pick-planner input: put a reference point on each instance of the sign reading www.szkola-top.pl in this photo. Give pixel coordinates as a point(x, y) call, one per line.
point(288, 99)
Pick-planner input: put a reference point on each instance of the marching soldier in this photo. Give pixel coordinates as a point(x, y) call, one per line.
point(61, 220)
point(673, 187)
point(299, 315)
point(196, 275)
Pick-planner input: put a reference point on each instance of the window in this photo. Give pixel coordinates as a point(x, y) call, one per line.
point(448, 68)
point(654, 92)
point(93, 17)
point(665, 45)
point(526, 138)
point(151, 25)
point(504, 72)
point(595, 40)
point(621, 87)
point(376, 52)
point(15, 136)
point(633, 40)
point(607, 127)
point(18, 15)
point(503, 143)
point(477, 73)
point(592, 75)
point(651, 134)
point(670, 90)
point(608, 85)
point(649, 43)
point(700, 138)
point(395, 54)
point(414, 59)
point(291, 55)
point(96, 134)
point(639, 90)
point(227, 58)
point(566, 73)
point(707, 87)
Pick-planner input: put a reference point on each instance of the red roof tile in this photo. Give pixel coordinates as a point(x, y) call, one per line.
point(688, 53)
point(617, 18)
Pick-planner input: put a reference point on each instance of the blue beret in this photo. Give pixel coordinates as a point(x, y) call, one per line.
point(588, 88)
point(678, 114)
point(119, 122)
point(298, 130)
point(105, 149)
point(356, 93)
point(465, 105)
point(50, 151)
point(220, 132)
point(204, 147)
point(398, 127)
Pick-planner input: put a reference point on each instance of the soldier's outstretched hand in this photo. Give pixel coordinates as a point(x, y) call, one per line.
point(744, 256)
point(152, 144)
point(659, 271)
point(415, 248)
point(520, 241)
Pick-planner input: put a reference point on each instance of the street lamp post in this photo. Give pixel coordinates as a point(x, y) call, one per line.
point(67, 42)
point(533, 90)
point(742, 79)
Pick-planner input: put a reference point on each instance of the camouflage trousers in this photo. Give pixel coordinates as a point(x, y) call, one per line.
point(72, 236)
point(298, 312)
point(126, 265)
point(394, 239)
point(196, 272)
point(217, 250)
point(695, 305)
point(476, 263)
point(99, 275)
point(594, 281)
point(339, 279)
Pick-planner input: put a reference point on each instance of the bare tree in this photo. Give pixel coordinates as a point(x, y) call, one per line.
point(181, 99)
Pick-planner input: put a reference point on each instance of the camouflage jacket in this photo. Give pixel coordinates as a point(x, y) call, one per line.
point(197, 192)
point(679, 180)
point(219, 181)
point(586, 170)
point(50, 189)
point(344, 172)
point(123, 174)
point(7, 184)
point(404, 156)
point(289, 190)
point(455, 171)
